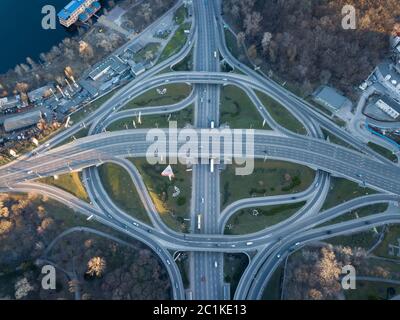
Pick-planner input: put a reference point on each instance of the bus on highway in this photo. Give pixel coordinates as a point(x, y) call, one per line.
point(212, 164)
point(199, 221)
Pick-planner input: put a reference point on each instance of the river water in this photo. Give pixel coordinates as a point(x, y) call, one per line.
point(21, 31)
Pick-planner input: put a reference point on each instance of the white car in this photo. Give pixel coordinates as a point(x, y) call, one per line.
point(216, 264)
point(136, 224)
point(168, 262)
point(278, 255)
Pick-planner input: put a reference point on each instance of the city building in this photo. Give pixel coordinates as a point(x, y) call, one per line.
point(91, 89)
point(78, 10)
point(23, 120)
point(136, 47)
point(330, 98)
point(40, 93)
point(390, 107)
point(9, 102)
point(390, 76)
point(111, 66)
point(138, 69)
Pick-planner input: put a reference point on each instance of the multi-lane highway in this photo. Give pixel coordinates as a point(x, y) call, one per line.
point(206, 243)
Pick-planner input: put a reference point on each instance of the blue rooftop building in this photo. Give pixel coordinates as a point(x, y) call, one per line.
point(81, 10)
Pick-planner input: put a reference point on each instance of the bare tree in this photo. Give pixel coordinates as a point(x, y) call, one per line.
point(265, 42)
point(241, 38)
point(96, 266)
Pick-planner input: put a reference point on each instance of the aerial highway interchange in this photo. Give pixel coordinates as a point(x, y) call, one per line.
point(206, 246)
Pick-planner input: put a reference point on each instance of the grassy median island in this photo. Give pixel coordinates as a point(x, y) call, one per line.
point(359, 213)
point(273, 290)
point(174, 94)
point(122, 191)
point(383, 151)
point(365, 239)
point(71, 183)
point(176, 43)
point(238, 111)
point(281, 115)
point(270, 178)
point(247, 221)
point(183, 118)
point(184, 65)
point(336, 140)
point(172, 210)
point(80, 134)
point(180, 15)
point(237, 51)
point(234, 266)
point(343, 190)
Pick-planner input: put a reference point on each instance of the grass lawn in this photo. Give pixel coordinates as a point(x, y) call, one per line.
point(359, 213)
point(172, 210)
point(234, 266)
point(175, 93)
point(383, 151)
point(244, 222)
point(238, 111)
point(183, 118)
point(152, 48)
point(274, 287)
point(343, 190)
point(71, 183)
point(371, 290)
point(391, 237)
point(176, 43)
point(79, 115)
point(122, 191)
point(364, 239)
point(281, 115)
point(269, 178)
point(180, 15)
